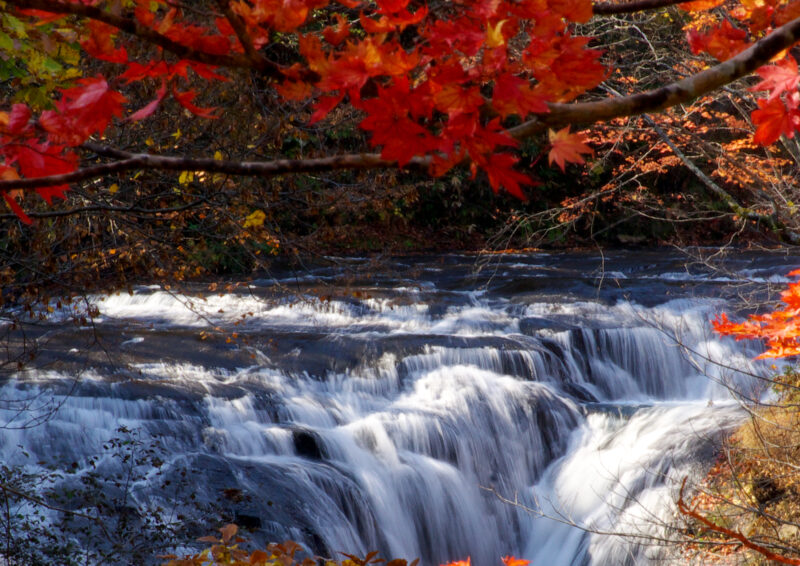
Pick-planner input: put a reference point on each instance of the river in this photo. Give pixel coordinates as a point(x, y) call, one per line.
point(432, 407)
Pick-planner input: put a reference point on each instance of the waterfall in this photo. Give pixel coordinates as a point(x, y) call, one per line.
point(397, 414)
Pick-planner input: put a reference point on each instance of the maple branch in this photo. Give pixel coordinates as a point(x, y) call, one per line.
point(129, 161)
point(135, 211)
point(611, 8)
point(582, 113)
point(685, 90)
point(131, 26)
point(764, 551)
point(240, 29)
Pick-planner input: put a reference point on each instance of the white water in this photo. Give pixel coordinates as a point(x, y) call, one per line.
point(393, 421)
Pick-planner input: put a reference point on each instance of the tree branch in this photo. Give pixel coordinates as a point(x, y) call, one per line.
point(131, 26)
point(766, 552)
point(611, 8)
point(581, 113)
point(240, 29)
point(584, 113)
point(130, 161)
point(770, 220)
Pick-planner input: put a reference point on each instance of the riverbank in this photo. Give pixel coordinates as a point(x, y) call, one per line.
point(746, 510)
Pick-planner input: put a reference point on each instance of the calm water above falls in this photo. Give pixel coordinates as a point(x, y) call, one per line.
point(387, 410)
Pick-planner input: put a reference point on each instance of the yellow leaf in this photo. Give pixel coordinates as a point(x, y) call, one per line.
point(494, 35)
point(218, 155)
point(177, 135)
point(113, 188)
point(255, 219)
point(186, 177)
point(72, 73)
point(149, 142)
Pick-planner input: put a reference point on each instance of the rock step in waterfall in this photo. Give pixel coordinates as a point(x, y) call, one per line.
point(394, 414)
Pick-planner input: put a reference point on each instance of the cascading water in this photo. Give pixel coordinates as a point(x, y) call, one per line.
point(396, 412)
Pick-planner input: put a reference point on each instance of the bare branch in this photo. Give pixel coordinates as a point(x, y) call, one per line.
point(658, 99)
point(766, 552)
point(131, 161)
point(7, 489)
point(611, 8)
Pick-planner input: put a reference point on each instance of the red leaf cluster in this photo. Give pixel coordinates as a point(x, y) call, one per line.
point(780, 329)
point(438, 97)
point(778, 114)
point(443, 91)
point(439, 82)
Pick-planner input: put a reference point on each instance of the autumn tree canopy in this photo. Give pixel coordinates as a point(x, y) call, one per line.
point(435, 85)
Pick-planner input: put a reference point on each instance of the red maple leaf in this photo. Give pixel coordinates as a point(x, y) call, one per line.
point(207, 71)
point(323, 106)
point(454, 99)
point(41, 160)
point(779, 78)
point(150, 107)
point(773, 119)
point(722, 42)
point(137, 71)
point(700, 5)
point(566, 147)
point(18, 119)
point(41, 15)
point(16, 208)
point(336, 34)
point(513, 95)
point(349, 73)
point(460, 33)
point(579, 11)
point(280, 15)
point(294, 90)
point(100, 43)
point(186, 99)
point(500, 169)
point(392, 126)
point(83, 110)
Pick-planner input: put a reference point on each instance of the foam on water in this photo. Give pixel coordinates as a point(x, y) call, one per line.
point(427, 404)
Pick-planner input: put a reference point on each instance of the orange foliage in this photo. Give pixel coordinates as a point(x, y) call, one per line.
point(432, 93)
point(566, 147)
point(439, 82)
point(780, 329)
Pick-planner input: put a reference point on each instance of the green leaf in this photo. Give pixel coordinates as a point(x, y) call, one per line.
point(69, 54)
point(15, 25)
point(52, 66)
point(34, 96)
point(6, 43)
